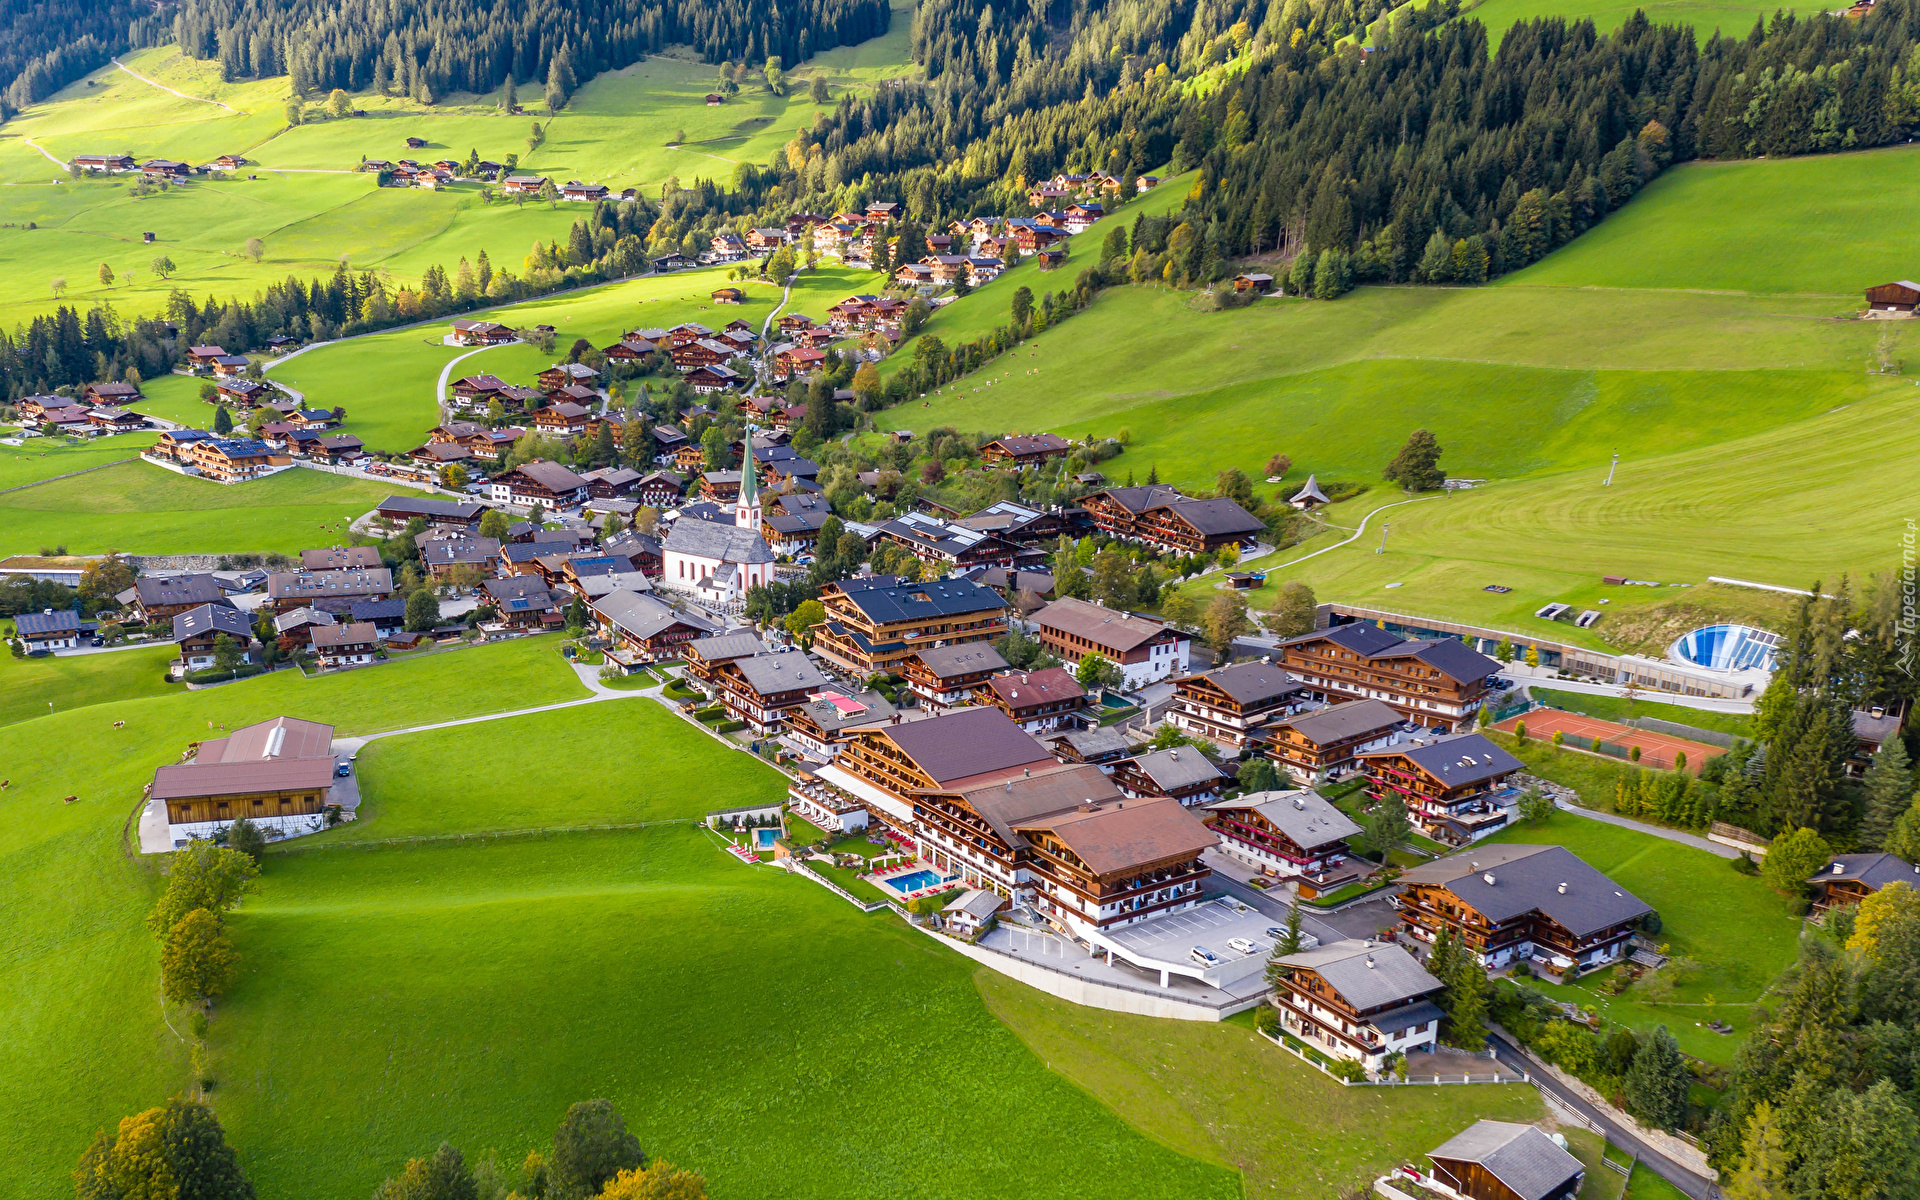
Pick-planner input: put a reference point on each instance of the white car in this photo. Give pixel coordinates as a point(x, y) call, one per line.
point(1240, 945)
point(1203, 956)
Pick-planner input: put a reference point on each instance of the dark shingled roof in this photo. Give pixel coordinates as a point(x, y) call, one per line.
point(968, 743)
point(1252, 682)
point(1458, 761)
point(1529, 878)
point(1520, 1156)
point(947, 662)
point(886, 604)
point(1874, 870)
point(1342, 721)
point(211, 618)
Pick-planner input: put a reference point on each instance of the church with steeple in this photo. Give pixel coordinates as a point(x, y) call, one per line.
point(718, 561)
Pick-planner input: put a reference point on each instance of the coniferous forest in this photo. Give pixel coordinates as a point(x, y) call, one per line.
point(469, 46)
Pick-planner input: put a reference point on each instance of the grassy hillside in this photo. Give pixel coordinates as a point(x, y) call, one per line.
point(303, 196)
point(143, 509)
point(1831, 223)
point(1789, 506)
point(745, 1022)
point(78, 971)
point(1219, 1091)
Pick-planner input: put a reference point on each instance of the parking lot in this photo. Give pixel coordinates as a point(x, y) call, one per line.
point(1170, 938)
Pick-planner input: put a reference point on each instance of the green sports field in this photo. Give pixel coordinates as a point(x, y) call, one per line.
point(139, 508)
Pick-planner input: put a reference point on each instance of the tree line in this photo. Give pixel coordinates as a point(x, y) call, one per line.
point(427, 51)
point(1435, 158)
point(45, 46)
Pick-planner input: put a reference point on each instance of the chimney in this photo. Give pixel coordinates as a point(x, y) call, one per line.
point(1028, 773)
point(1839, 869)
point(1563, 889)
point(1369, 962)
point(1878, 711)
point(1489, 878)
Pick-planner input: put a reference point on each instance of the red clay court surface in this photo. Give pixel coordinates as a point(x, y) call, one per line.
point(1656, 749)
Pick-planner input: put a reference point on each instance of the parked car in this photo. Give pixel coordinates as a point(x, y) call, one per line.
point(1203, 956)
point(1240, 945)
point(96, 641)
point(343, 769)
point(1276, 933)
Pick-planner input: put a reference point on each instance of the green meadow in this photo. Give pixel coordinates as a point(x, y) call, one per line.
point(78, 971)
point(447, 780)
point(1828, 223)
point(303, 196)
point(139, 508)
point(1730, 17)
point(34, 687)
point(38, 459)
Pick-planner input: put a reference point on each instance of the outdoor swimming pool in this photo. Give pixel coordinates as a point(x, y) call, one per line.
point(914, 882)
point(767, 837)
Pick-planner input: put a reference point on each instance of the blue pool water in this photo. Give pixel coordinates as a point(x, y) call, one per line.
point(767, 838)
point(914, 882)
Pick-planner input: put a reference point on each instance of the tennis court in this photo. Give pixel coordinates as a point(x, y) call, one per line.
point(1656, 749)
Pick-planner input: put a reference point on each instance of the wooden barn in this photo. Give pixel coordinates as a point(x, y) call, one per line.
point(1898, 297)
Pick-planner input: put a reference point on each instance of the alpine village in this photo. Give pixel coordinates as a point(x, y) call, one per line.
point(1302, 600)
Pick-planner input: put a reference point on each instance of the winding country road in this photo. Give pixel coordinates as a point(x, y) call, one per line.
point(176, 91)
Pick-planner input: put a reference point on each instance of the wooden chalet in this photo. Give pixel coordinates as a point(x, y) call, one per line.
point(876, 624)
point(1022, 452)
point(1440, 682)
point(824, 723)
point(1144, 649)
point(1324, 742)
point(1900, 297)
point(288, 590)
point(112, 395)
point(1257, 282)
point(1229, 704)
point(345, 644)
point(1037, 701)
point(1510, 902)
point(705, 656)
point(1455, 789)
point(161, 598)
point(761, 689)
point(1165, 519)
point(647, 626)
point(1183, 773)
point(559, 375)
point(277, 773)
point(1287, 834)
point(481, 333)
point(1359, 1000)
point(1499, 1160)
point(565, 419)
point(1851, 878)
point(981, 799)
point(951, 676)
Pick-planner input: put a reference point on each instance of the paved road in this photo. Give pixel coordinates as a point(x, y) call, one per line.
point(1659, 831)
point(51, 157)
point(1522, 674)
point(1697, 1186)
point(440, 389)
